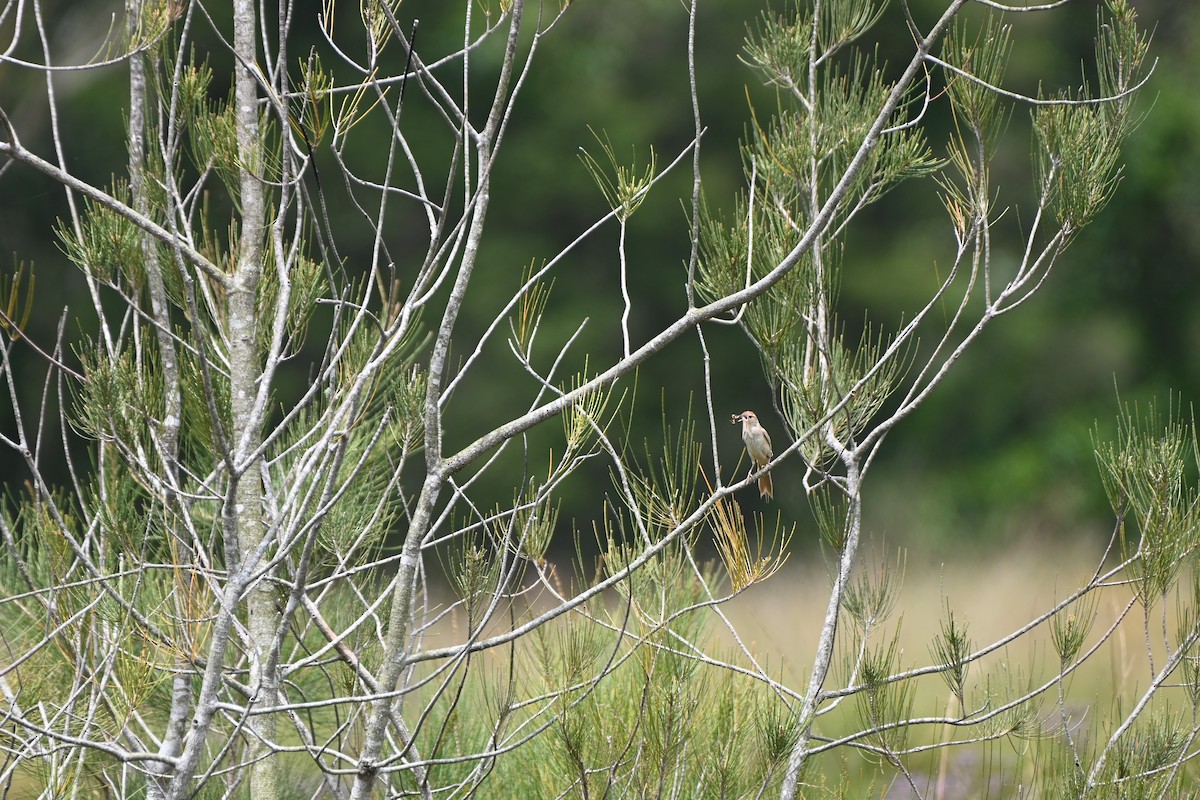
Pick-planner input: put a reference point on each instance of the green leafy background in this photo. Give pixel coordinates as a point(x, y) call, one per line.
point(1002, 450)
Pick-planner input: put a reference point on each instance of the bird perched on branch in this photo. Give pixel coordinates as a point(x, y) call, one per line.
point(758, 447)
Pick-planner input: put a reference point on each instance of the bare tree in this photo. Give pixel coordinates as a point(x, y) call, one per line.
point(212, 602)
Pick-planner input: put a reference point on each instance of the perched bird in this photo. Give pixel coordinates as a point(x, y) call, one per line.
point(758, 446)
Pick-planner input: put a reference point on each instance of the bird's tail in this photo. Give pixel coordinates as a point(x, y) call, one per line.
point(765, 487)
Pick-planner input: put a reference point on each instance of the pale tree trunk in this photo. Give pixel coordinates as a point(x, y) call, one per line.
point(383, 709)
point(847, 451)
point(245, 370)
point(168, 439)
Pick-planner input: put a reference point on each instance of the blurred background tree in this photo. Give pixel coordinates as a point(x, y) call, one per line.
point(1002, 450)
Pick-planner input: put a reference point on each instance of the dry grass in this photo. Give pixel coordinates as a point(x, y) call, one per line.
point(995, 594)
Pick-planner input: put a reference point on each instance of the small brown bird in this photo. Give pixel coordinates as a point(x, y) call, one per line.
point(758, 447)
